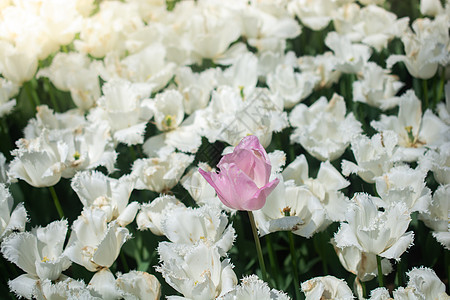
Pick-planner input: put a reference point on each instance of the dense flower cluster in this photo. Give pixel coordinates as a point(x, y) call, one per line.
point(133, 103)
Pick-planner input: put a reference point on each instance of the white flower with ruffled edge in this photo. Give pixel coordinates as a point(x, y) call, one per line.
point(73, 72)
point(326, 287)
point(351, 57)
point(414, 131)
point(313, 14)
point(39, 161)
point(160, 174)
point(291, 86)
point(291, 208)
point(377, 87)
point(39, 253)
point(373, 156)
point(108, 194)
point(138, 284)
point(426, 47)
point(326, 186)
point(8, 89)
point(373, 231)
point(362, 264)
point(423, 283)
point(252, 287)
point(124, 107)
point(403, 184)
point(93, 243)
point(323, 66)
point(185, 225)
point(438, 215)
point(10, 220)
point(319, 128)
point(196, 271)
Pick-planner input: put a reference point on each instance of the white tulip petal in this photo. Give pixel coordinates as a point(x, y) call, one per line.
point(109, 248)
point(104, 283)
point(21, 249)
point(138, 285)
point(24, 285)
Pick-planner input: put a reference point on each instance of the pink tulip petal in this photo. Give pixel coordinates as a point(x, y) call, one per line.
point(243, 180)
point(259, 199)
point(252, 159)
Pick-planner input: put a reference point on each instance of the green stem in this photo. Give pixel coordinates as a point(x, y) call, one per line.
point(294, 265)
point(258, 246)
point(56, 202)
point(440, 88)
point(52, 95)
point(380, 272)
point(399, 274)
point(133, 153)
point(425, 92)
point(29, 90)
point(317, 241)
point(364, 290)
point(124, 262)
point(64, 49)
point(273, 262)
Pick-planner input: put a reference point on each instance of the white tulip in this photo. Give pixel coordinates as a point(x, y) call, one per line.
point(362, 264)
point(377, 88)
point(94, 243)
point(149, 66)
point(104, 283)
point(231, 115)
point(252, 287)
point(138, 285)
point(106, 30)
point(378, 232)
point(10, 220)
point(8, 89)
point(313, 14)
point(74, 72)
point(168, 110)
point(64, 288)
point(326, 287)
point(291, 208)
point(39, 162)
point(431, 7)
point(322, 66)
point(211, 29)
point(373, 156)
point(425, 48)
point(403, 184)
point(351, 58)
point(185, 225)
point(123, 107)
point(438, 215)
point(423, 283)
point(196, 271)
point(414, 131)
point(152, 214)
point(291, 86)
point(110, 195)
point(195, 87)
point(39, 253)
point(325, 186)
point(319, 128)
point(160, 174)
point(15, 64)
point(438, 161)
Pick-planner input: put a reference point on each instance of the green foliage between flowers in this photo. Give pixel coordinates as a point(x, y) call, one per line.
point(315, 256)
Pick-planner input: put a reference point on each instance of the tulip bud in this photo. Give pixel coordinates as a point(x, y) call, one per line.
point(243, 181)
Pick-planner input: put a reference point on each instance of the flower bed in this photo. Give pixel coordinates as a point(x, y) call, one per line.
point(135, 134)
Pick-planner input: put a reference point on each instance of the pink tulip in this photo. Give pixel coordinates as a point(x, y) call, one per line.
point(243, 180)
